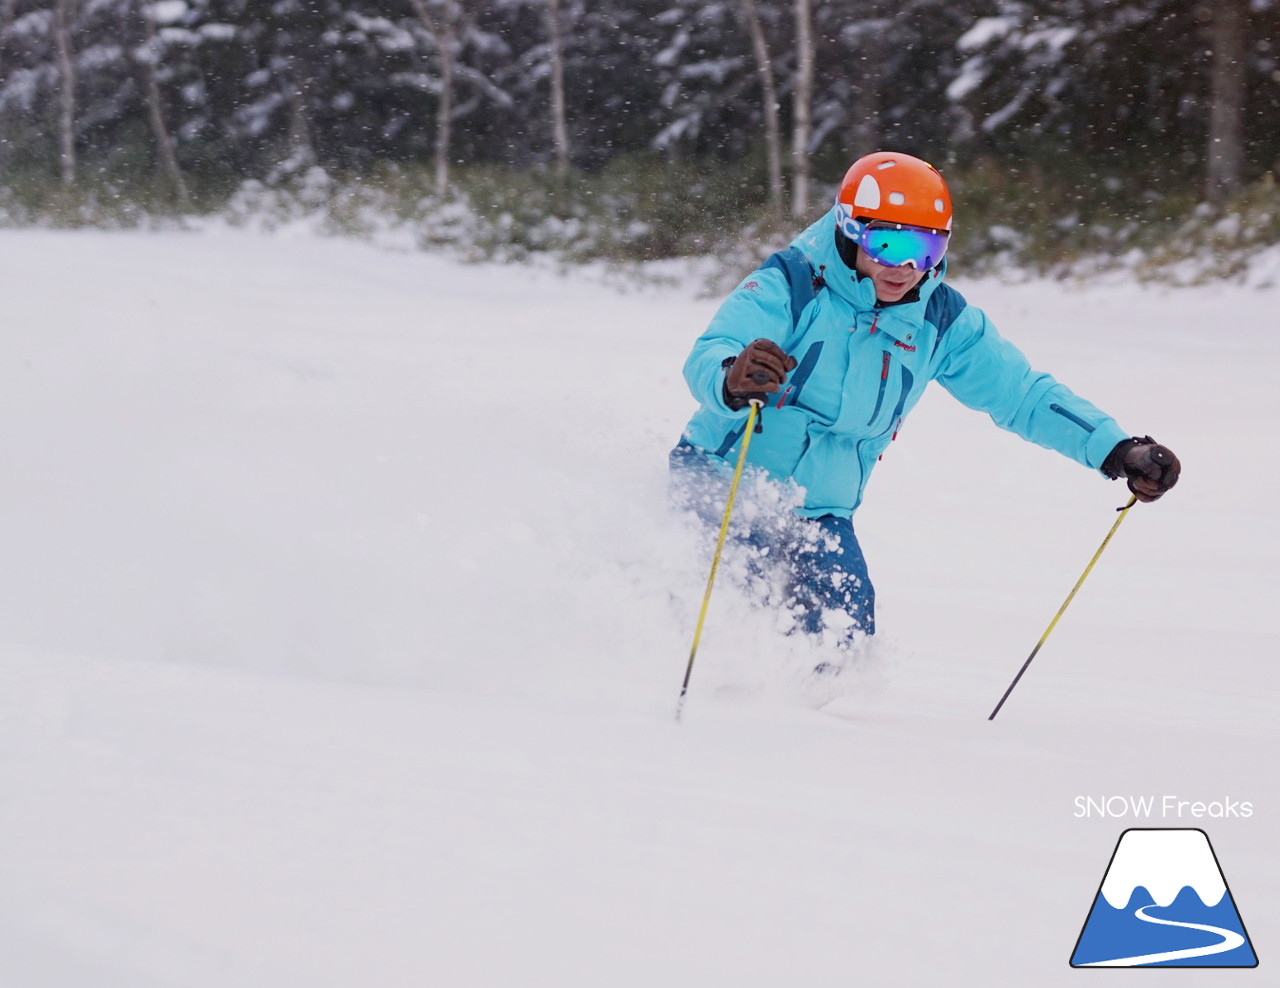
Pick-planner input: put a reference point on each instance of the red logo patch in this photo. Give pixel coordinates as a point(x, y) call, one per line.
point(909, 348)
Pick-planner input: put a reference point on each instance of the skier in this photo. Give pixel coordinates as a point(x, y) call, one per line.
point(838, 336)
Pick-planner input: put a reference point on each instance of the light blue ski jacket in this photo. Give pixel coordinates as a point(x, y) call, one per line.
point(861, 368)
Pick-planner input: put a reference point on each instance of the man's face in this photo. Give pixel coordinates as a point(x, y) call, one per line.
point(891, 283)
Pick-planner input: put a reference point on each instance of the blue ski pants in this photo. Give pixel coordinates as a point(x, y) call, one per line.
point(823, 571)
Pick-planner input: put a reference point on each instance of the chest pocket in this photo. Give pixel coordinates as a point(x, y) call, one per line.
point(886, 396)
point(877, 388)
point(799, 377)
point(890, 395)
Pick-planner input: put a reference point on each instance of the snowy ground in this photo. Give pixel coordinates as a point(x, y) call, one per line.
point(343, 624)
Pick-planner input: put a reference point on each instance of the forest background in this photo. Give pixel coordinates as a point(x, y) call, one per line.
point(1078, 135)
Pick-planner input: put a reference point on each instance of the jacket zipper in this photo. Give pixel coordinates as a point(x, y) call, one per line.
point(884, 382)
point(1071, 417)
point(896, 426)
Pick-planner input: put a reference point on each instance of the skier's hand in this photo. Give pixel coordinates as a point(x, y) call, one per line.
point(1151, 469)
point(759, 369)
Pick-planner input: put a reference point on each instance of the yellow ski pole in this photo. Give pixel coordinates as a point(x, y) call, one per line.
point(1123, 511)
point(756, 405)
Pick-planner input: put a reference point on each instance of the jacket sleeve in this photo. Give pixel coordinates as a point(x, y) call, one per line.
point(987, 372)
point(759, 308)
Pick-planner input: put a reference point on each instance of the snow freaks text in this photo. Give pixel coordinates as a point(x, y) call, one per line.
point(1165, 807)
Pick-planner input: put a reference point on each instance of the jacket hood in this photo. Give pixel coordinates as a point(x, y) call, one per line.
point(818, 243)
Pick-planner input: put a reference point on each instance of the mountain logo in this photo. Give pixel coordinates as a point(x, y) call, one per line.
point(1164, 902)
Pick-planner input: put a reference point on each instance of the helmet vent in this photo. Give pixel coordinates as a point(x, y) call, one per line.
point(897, 198)
point(868, 194)
point(939, 205)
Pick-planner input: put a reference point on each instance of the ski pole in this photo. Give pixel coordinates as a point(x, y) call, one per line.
point(1123, 511)
point(756, 405)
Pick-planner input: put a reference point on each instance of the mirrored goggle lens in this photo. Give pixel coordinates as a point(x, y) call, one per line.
point(897, 247)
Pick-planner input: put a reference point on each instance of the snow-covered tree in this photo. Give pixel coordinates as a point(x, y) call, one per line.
point(200, 91)
point(705, 68)
point(1132, 83)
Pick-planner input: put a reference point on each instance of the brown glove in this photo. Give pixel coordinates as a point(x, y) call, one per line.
point(759, 369)
point(1151, 469)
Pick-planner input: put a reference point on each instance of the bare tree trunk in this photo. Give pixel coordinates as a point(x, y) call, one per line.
point(866, 130)
point(1225, 172)
point(66, 92)
point(302, 150)
point(803, 122)
point(444, 115)
point(6, 20)
point(444, 32)
point(559, 124)
point(769, 98)
point(155, 113)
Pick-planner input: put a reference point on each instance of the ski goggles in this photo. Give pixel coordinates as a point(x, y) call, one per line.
point(895, 245)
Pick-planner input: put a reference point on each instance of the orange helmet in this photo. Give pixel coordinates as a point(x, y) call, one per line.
point(895, 188)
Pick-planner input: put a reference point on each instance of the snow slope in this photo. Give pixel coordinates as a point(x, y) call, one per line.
point(343, 621)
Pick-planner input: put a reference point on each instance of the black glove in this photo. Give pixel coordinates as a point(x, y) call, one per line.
point(758, 370)
point(1150, 468)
